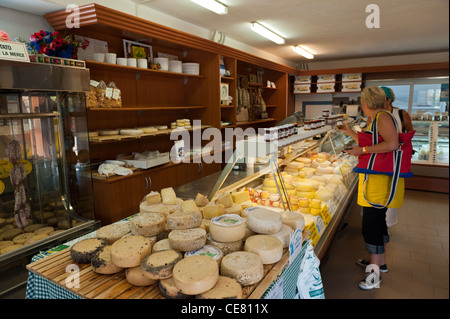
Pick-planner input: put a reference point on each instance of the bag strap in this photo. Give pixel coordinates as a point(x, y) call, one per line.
point(398, 154)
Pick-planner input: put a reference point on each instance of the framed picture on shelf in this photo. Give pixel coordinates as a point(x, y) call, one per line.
point(137, 50)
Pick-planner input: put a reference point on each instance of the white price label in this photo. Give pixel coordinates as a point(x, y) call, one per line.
point(116, 94)
point(94, 83)
point(109, 92)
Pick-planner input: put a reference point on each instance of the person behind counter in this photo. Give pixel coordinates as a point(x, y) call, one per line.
point(374, 227)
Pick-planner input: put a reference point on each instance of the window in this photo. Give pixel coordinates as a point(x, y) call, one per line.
point(416, 95)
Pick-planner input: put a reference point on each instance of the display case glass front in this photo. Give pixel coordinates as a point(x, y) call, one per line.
point(421, 142)
point(430, 143)
point(442, 156)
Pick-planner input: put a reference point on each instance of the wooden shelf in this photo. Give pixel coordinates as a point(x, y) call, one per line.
point(140, 70)
point(269, 88)
point(150, 108)
point(271, 106)
point(227, 78)
point(254, 122)
point(228, 106)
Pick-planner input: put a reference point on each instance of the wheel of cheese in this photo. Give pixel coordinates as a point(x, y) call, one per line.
point(149, 129)
point(113, 232)
point(196, 274)
point(35, 238)
point(227, 228)
point(10, 248)
point(130, 251)
point(187, 239)
point(184, 220)
point(234, 209)
point(162, 244)
point(101, 261)
point(6, 243)
point(108, 132)
point(316, 203)
point(226, 248)
point(22, 238)
point(263, 221)
point(136, 277)
point(11, 233)
point(82, 251)
point(293, 219)
point(225, 288)
point(207, 250)
point(246, 267)
point(44, 230)
point(169, 290)
point(284, 235)
point(145, 207)
point(147, 224)
point(268, 248)
point(159, 265)
point(131, 132)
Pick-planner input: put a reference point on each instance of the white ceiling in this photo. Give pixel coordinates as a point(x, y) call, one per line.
point(333, 29)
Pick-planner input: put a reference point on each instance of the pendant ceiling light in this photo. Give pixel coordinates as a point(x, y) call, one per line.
point(212, 5)
point(303, 52)
point(267, 33)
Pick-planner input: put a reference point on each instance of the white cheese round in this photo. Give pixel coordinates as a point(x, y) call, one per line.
point(263, 221)
point(246, 267)
point(227, 228)
point(268, 248)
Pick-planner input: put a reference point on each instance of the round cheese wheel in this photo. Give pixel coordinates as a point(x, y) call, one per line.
point(227, 228)
point(159, 265)
point(35, 238)
point(187, 239)
point(284, 235)
point(136, 277)
point(225, 288)
point(316, 203)
point(184, 220)
point(6, 243)
point(294, 220)
point(129, 251)
point(131, 132)
point(113, 232)
point(82, 251)
point(149, 129)
point(108, 132)
point(207, 250)
point(303, 160)
point(147, 224)
point(268, 248)
point(263, 221)
point(226, 248)
point(22, 238)
point(162, 244)
point(246, 267)
point(169, 290)
point(44, 230)
point(11, 233)
point(101, 261)
point(196, 274)
point(10, 248)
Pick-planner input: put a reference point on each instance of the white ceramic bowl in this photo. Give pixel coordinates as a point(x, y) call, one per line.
point(163, 62)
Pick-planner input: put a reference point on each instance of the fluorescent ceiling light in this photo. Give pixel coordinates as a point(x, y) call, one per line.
point(302, 51)
point(269, 34)
point(212, 5)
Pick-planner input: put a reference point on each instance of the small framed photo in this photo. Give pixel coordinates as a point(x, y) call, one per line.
point(137, 50)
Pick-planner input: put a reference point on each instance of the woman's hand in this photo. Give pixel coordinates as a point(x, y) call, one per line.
point(345, 128)
point(355, 151)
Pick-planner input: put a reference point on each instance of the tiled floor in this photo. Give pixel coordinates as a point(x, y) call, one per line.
point(417, 255)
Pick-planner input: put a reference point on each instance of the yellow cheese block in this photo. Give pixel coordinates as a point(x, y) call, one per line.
point(240, 197)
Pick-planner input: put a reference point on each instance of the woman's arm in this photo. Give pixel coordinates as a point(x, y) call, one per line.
point(407, 122)
point(386, 129)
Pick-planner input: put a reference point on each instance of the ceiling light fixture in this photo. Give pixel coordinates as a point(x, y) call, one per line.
point(212, 5)
point(302, 51)
point(269, 34)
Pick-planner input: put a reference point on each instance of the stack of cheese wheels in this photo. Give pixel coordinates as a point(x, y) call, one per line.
point(294, 220)
point(185, 240)
point(184, 219)
point(82, 251)
point(227, 232)
point(207, 250)
point(304, 160)
point(101, 261)
point(263, 221)
point(294, 167)
point(246, 267)
point(147, 224)
point(316, 207)
point(196, 274)
point(305, 189)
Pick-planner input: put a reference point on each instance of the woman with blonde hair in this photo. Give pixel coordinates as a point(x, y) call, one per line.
point(374, 228)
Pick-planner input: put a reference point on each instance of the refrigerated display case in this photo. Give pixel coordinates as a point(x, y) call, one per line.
point(430, 160)
point(46, 192)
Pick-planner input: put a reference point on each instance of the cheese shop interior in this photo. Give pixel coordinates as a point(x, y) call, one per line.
point(87, 134)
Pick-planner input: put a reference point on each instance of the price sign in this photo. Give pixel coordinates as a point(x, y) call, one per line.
point(13, 51)
point(314, 234)
point(325, 214)
point(295, 244)
point(331, 206)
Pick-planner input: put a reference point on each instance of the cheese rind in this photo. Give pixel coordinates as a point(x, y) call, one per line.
point(153, 198)
point(102, 263)
point(129, 251)
point(293, 219)
point(225, 199)
point(207, 250)
point(246, 267)
point(225, 288)
point(184, 220)
point(136, 277)
point(227, 228)
point(162, 244)
point(169, 290)
point(196, 274)
point(284, 235)
point(210, 211)
point(168, 196)
point(226, 248)
point(268, 248)
point(159, 265)
point(147, 224)
point(82, 251)
point(263, 221)
point(187, 239)
point(113, 232)
point(201, 200)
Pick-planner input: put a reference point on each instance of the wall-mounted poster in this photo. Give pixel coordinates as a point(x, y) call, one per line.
point(137, 50)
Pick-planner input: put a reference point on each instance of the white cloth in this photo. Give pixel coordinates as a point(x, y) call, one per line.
point(391, 217)
point(396, 115)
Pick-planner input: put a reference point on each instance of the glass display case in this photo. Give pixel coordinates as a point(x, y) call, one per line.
point(46, 192)
point(430, 143)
